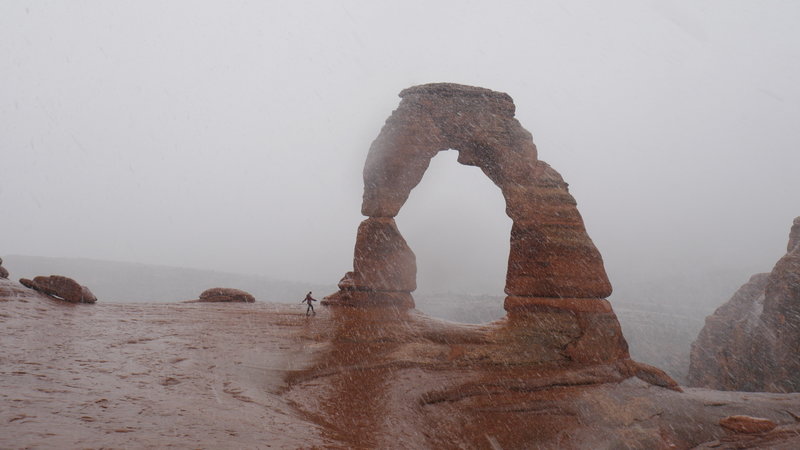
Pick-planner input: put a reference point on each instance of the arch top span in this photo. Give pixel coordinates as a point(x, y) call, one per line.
point(476, 122)
point(551, 255)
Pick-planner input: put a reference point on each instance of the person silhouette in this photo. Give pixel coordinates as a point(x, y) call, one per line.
point(308, 300)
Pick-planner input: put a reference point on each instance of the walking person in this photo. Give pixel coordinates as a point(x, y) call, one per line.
point(308, 301)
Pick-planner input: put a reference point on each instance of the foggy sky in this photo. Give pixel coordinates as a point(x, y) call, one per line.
point(231, 135)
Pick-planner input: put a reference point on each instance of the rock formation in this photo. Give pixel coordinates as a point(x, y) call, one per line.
point(551, 256)
point(750, 343)
point(3, 271)
point(747, 424)
point(555, 282)
point(225, 295)
point(60, 287)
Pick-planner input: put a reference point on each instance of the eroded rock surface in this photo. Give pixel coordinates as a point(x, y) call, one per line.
point(226, 295)
point(178, 375)
point(61, 287)
point(383, 261)
point(747, 424)
point(385, 373)
point(551, 255)
point(750, 343)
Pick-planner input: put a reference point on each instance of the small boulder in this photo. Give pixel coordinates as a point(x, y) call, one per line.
point(747, 424)
point(3, 271)
point(226, 295)
point(61, 287)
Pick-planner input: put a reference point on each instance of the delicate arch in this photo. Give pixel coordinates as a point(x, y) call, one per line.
point(550, 256)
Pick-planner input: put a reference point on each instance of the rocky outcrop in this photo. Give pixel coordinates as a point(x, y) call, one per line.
point(3, 271)
point(750, 343)
point(385, 373)
point(225, 295)
point(551, 256)
point(555, 283)
point(60, 287)
point(747, 424)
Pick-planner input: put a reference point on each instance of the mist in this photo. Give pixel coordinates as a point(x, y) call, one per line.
point(231, 137)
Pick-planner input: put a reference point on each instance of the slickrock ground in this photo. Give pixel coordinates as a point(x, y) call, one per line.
point(262, 375)
point(148, 375)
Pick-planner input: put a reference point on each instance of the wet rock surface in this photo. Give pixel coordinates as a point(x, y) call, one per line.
point(225, 295)
point(61, 287)
point(551, 253)
point(177, 375)
point(144, 375)
point(751, 342)
point(747, 424)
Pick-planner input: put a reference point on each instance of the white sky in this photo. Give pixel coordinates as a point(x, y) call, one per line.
point(231, 135)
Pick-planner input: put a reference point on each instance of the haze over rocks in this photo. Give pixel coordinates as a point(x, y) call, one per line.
point(751, 342)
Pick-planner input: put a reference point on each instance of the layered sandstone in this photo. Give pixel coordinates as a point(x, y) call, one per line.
point(60, 287)
point(750, 343)
point(551, 255)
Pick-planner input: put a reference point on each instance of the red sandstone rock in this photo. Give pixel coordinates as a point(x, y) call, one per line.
point(751, 342)
point(351, 297)
point(87, 296)
point(226, 295)
point(551, 254)
point(747, 424)
point(383, 261)
point(60, 287)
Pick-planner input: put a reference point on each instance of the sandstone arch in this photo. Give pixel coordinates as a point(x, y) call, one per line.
point(551, 256)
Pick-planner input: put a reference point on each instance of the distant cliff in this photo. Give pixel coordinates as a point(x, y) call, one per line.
point(750, 343)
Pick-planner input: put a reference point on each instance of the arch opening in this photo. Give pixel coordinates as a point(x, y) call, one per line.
point(455, 222)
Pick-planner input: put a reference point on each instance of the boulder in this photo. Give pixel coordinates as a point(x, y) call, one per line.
point(60, 287)
point(226, 295)
point(3, 271)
